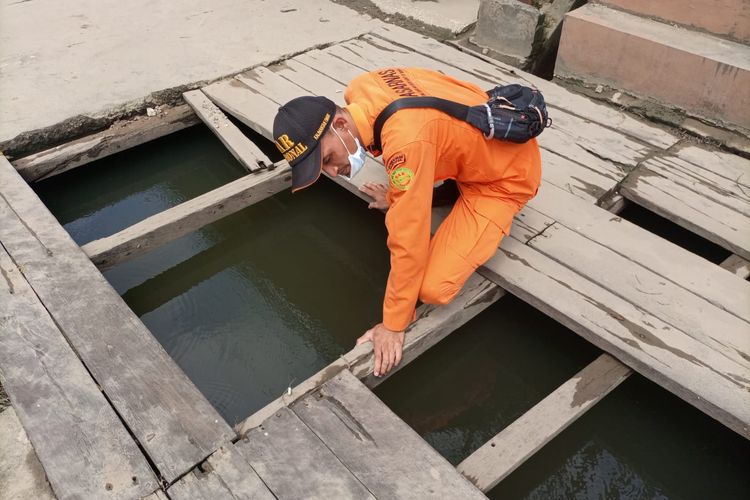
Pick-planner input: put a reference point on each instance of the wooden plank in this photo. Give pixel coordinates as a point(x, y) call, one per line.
point(682, 309)
point(575, 178)
point(704, 183)
point(157, 495)
point(237, 475)
point(166, 413)
point(186, 217)
point(339, 69)
point(390, 459)
point(197, 485)
point(722, 225)
point(278, 89)
point(671, 358)
point(242, 148)
point(225, 474)
point(666, 259)
point(85, 450)
point(294, 463)
point(556, 96)
point(515, 444)
point(119, 137)
point(21, 474)
point(737, 265)
point(730, 166)
point(246, 105)
point(311, 81)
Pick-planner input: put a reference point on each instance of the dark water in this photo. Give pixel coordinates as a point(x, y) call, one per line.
point(267, 297)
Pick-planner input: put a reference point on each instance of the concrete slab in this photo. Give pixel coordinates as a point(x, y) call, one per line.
point(723, 17)
point(61, 59)
point(21, 475)
point(452, 15)
point(697, 72)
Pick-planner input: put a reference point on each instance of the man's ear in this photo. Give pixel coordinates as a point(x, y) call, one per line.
point(339, 122)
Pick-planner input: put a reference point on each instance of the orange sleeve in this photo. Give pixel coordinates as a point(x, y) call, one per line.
point(411, 173)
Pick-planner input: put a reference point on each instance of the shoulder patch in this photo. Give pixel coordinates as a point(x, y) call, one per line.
point(395, 161)
point(401, 178)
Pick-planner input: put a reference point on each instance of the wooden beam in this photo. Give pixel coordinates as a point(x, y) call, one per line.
point(242, 148)
point(515, 444)
point(85, 450)
point(737, 265)
point(173, 422)
point(120, 136)
point(189, 216)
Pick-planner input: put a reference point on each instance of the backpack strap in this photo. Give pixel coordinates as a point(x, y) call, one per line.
point(454, 109)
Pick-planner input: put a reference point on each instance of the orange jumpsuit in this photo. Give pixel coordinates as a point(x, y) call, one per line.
point(423, 146)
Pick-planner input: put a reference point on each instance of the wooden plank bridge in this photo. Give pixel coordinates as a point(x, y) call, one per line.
point(111, 415)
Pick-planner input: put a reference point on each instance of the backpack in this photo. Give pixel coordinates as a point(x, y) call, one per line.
point(513, 113)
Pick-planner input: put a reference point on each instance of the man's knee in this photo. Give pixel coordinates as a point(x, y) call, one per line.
point(438, 292)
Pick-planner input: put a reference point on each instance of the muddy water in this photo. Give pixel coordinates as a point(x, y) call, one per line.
point(265, 298)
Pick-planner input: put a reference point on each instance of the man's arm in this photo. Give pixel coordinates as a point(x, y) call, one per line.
point(411, 174)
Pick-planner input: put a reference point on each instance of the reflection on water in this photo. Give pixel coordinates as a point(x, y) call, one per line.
point(638, 442)
point(267, 297)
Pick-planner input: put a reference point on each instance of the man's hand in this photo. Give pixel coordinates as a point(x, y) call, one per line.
point(387, 345)
point(378, 193)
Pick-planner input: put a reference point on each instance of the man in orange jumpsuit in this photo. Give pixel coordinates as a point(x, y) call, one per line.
point(419, 148)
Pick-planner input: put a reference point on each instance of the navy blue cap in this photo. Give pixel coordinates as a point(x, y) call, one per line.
point(297, 130)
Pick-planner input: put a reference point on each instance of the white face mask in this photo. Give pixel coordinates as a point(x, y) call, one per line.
point(356, 159)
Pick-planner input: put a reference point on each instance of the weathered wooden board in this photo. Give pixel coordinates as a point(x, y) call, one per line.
point(684, 310)
point(166, 413)
point(237, 474)
point(384, 453)
point(157, 495)
point(84, 448)
point(246, 105)
point(574, 178)
point(118, 137)
point(339, 69)
point(225, 474)
point(737, 265)
point(243, 149)
point(685, 207)
point(732, 167)
point(515, 444)
point(186, 217)
point(294, 463)
point(666, 259)
point(714, 187)
point(313, 81)
point(555, 95)
point(21, 474)
point(197, 485)
point(671, 358)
